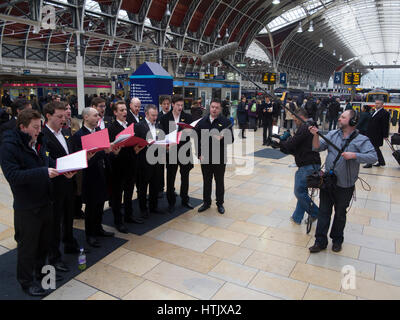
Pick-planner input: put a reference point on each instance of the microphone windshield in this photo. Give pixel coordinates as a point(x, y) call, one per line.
point(220, 53)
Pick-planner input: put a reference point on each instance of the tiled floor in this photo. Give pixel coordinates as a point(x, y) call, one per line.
point(252, 251)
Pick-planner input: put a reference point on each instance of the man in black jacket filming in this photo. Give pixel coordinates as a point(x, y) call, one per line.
point(308, 161)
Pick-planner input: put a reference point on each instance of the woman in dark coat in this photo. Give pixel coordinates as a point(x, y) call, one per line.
point(242, 117)
point(365, 116)
point(252, 113)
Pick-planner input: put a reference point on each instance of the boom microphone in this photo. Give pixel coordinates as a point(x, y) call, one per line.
point(220, 53)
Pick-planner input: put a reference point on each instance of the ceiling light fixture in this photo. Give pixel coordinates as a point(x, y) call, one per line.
point(226, 33)
point(321, 45)
point(67, 50)
point(340, 58)
point(167, 13)
point(334, 52)
point(276, 2)
point(120, 56)
point(311, 27)
point(300, 29)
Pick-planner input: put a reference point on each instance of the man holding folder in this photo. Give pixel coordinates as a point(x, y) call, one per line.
point(94, 187)
point(169, 123)
point(123, 171)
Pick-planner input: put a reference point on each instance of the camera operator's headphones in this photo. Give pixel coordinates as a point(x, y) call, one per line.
point(354, 119)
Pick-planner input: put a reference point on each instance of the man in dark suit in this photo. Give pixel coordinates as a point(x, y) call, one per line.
point(214, 132)
point(267, 115)
point(17, 107)
point(148, 173)
point(25, 165)
point(133, 115)
point(59, 145)
point(165, 103)
point(123, 172)
point(378, 129)
point(169, 123)
point(100, 105)
point(94, 187)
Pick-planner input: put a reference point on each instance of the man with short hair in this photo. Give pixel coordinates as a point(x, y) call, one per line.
point(197, 109)
point(25, 165)
point(100, 105)
point(354, 149)
point(214, 132)
point(169, 123)
point(333, 113)
point(94, 186)
point(148, 174)
point(123, 172)
point(133, 115)
point(59, 145)
point(267, 110)
point(378, 130)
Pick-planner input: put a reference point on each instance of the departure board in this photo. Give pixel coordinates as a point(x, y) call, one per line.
point(269, 78)
point(351, 78)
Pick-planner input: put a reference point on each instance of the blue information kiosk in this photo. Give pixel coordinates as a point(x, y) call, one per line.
point(148, 82)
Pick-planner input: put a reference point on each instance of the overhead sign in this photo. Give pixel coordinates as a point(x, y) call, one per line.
point(192, 75)
point(282, 78)
point(269, 78)
point(123, 76)
point(241, 65)
point(208, 76)
point(219, 77)
point(338, 78)
point(351, 78)
point(27, 71)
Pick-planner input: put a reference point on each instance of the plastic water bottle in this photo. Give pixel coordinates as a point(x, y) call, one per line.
point(82, 260)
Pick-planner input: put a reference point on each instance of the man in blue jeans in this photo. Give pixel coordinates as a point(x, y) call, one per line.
point(307, 160)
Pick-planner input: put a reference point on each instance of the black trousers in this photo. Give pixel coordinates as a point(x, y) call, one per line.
point(122, 184)
point(33, 232)
point(267, 128)
point(63, 210)
point(217, 171)
point(184, 170)
point(149, 180)
point(93, 218)
point(162, 177)
point(381, 159)
point(340, 199)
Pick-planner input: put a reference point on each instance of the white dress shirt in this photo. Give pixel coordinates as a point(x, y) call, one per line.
point(376, 111)
point(176, 120)
point(152, 129)
point(102, 124)
point(136, 117)
point(60, 138)
point(122, 124)
point(90, 130)
point(211, 119)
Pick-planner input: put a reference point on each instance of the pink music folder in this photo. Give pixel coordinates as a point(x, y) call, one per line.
point(96, 141)
point(125, 137)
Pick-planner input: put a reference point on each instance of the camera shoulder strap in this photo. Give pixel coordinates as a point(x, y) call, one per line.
point(352, 136)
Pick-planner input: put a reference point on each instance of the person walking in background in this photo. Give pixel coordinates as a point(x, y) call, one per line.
point(242, 116)
point(267, 113)
point(288, 115)
point(333, 113)
point(252, 114)
point(365, 117)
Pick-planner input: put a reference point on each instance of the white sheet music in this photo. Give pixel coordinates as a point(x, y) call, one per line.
point(121, 138)
point(72, 162)
point(275, 130)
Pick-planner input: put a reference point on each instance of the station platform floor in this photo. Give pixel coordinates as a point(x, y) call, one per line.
point(253, 251)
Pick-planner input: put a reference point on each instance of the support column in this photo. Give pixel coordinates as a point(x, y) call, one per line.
point(80, 75)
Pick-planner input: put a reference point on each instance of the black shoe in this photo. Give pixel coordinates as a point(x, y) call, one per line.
point(221, 209)
point(171, 208)
point(316, 248)
point(131, 219)
point(144, 214)
point(264, 144)
point(204, 207)
point(187, 205)
point(103, 233)
point(156, 211)
point(35, 291)
point(379, 165)
point(60, 266)
point(121, 228)
point(367, 166)
point(93, 242)
point(336, 247)
point(244, 137)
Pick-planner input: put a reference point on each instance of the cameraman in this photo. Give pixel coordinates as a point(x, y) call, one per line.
point(308, 161)
point(355, 149)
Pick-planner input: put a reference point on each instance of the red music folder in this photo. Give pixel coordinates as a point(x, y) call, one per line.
point(141, 142)
point(188, 126)
point(125, 137)
point(96, 141)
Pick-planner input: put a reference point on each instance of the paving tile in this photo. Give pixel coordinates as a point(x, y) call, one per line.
point(379, 196)
point(3, 227)
point(319, 293)
point(355, 218)
point(8, 233)
point(278, 286)
point(263, 220)
point(394, 216)
point(224, 235)
point(187, 226)
point(72, 290)
point(381, 233)
point(213, 221)
point(281, 214)
point(229, 251)
point(183, 280)
point(116, 254)
point(110, 279)
point(289, 225)
point(385, 224)
point(378, 205)
point(247, 228)
point(369, 242)
point(149, 290)
point(277, 248)
point(380, 257)
point(278, 234)
point(374, 290)
point(353, 227)
point(186, 240)
point(397, 246)
point(233, 272)
point(9, 243)
point(336, 262)
point(316, 275)
point(101, 296)
point(270, 263)
point(372, 213)
point(231, 291)
point(395, 207)
point(388, 275)
point(135, 263)
point(3, 250)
